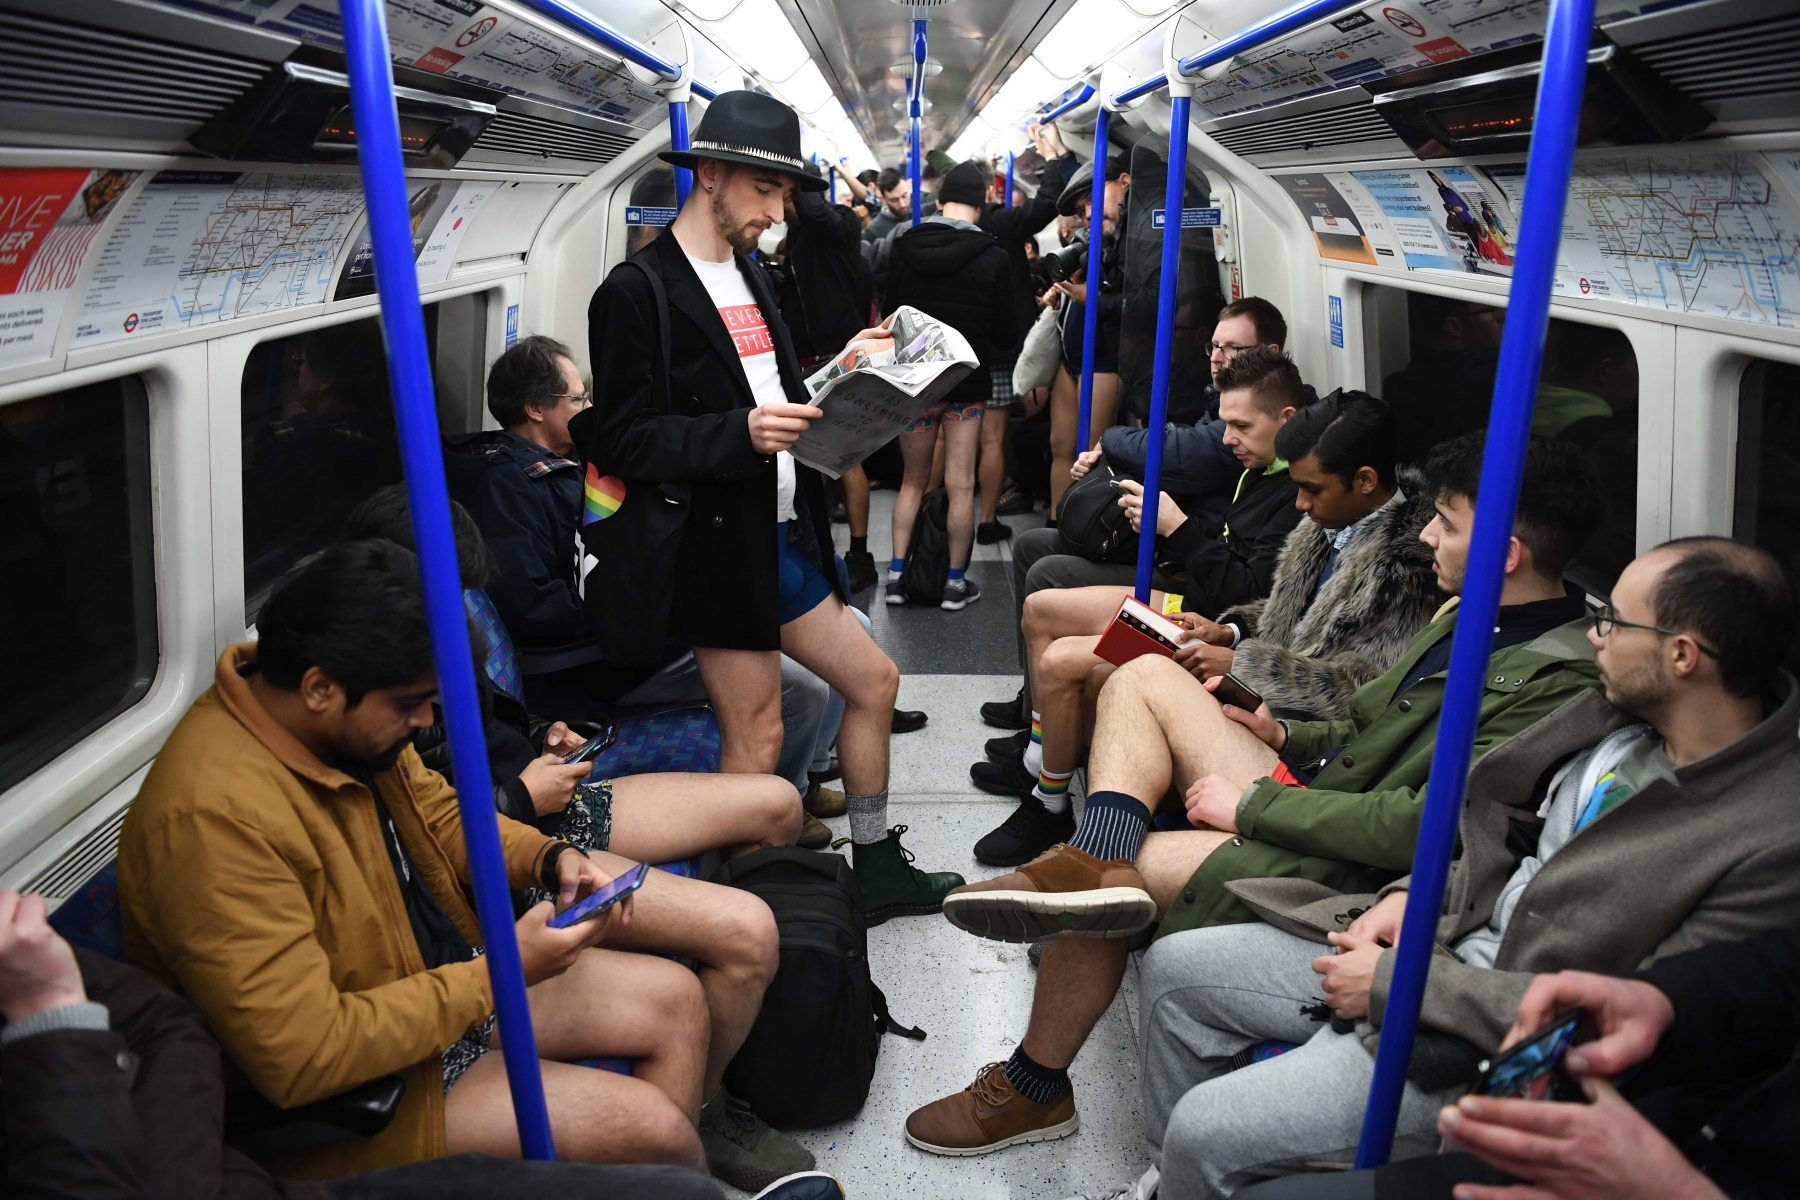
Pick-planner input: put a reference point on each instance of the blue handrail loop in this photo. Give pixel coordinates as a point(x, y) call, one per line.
point(915, 108)
point(421, 453)
point(1554, 130)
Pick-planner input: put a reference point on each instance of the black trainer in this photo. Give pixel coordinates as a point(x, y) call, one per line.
point(1031, 830)
point(1003, 779)
point(989, 532)
point(863, 575)
point(1009, 749)
point(1008, 714)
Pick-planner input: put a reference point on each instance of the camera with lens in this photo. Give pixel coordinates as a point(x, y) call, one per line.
point(1068, 262)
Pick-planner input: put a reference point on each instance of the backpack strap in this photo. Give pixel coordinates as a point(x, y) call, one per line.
point(884, 1020)
point(662, 385)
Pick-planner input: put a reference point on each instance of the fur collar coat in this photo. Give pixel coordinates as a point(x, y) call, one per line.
point(1307, 654)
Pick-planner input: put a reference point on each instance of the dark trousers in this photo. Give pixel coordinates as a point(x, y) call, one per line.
point(478, 1177)
point(1428, 1178)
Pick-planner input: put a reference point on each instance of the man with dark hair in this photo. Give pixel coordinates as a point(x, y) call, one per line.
point(1198, 469)
point(954, 271)
point(1664, 821)
point(293, 869)
point(1353, 584)
point(1336, 802)
point(896, 207)
point(694, 479)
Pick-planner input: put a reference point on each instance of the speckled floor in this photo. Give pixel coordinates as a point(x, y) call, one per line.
point(971, 996)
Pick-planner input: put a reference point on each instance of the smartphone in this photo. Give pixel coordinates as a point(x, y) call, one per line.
point(597, 902)
point(1237, 693)
point(1533, 1070)
point(592, 746)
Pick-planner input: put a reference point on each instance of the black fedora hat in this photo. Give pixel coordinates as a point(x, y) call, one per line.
point(752, 129)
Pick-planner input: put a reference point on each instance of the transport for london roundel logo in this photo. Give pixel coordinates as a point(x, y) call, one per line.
point(601, 496)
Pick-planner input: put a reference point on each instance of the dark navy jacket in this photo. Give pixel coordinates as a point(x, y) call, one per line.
point(528, 506)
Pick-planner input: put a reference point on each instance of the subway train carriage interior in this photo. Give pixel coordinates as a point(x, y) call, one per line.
point(1271, 670)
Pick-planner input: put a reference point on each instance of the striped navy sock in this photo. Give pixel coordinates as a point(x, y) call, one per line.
point(1113, 826)
point(1034, 1081)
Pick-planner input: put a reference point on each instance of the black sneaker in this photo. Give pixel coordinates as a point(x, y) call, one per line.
point(1009, 749)
point(1003, 779)
point(959, 594)
point(862, 570)
point(989, 532)
point(1031, 830)
point(1008, 714)
point(896, 592)
point(743, 1150)
point(1015, 503)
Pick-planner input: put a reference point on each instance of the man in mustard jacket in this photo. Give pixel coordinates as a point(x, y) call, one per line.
point(293, 869)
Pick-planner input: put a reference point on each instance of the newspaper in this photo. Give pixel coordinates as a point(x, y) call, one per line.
point(867, 397)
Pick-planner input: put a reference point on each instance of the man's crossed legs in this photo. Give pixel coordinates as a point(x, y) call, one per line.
point(1157, 728)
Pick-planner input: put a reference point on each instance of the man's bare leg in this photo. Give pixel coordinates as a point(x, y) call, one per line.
point(856, 500)
point(1067, 612)
point(730, 931)
point(608, 1004)
point(916, 449)
point(1057, 684)
point(1065, 421)
point(744, 687)
point(831, 642)
point(993, 461)
point(664, 817)
point(1157, 726)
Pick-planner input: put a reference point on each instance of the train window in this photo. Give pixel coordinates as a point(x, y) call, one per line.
point(77, 568)
point(1767, 500)
point(1435, 358)
point(653, 189)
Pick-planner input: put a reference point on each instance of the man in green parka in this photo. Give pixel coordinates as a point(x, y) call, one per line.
point(1333, 801)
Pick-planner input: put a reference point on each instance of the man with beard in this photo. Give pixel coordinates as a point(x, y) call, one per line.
point(713, 535)
point(294, 870)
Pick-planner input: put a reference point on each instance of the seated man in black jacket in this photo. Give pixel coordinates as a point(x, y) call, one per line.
point(113, 1088)
point(1706, 1098)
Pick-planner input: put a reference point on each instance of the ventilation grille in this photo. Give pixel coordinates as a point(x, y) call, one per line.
point(1305, 131)
point(80, 862)
point(1746, 62)
point(516, 133)
point(62, 65)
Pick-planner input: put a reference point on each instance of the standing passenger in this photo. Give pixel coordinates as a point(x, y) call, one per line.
point(725, 541)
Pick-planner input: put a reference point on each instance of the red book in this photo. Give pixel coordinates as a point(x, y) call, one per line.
point(1137, 630)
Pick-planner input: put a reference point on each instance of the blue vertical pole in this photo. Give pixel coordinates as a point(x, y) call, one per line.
point(1174, 197)
point(1009, 178)
point(678, 140)
point(1553, 134)
point(1090, 310)
point(422, 456)
point(916, 109)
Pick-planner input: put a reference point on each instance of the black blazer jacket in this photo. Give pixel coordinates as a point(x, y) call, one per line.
point(726, 589)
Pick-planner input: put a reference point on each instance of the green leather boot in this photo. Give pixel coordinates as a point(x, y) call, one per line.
point(892, 886)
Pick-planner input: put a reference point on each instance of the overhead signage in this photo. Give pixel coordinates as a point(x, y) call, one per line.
point(1191, 218)
point(442, 211)
point(48, 219)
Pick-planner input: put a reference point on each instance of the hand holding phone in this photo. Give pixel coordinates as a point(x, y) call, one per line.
point(1533, 1069)
point(1235, 692)
point(597, 902)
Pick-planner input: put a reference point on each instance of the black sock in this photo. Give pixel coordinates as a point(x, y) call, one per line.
point(1113, 826)
point(1033, 1080)
point(859, 545)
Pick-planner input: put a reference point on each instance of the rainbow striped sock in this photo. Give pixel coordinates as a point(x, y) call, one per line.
point(1052, 790)
point(1034, 748)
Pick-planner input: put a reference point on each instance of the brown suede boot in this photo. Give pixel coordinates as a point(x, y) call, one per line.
point(989, 1115)
point(1064, 892)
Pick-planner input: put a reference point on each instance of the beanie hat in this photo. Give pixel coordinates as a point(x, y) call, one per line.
point(966, 183)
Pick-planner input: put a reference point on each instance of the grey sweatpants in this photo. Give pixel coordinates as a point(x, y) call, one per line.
point(1041, 559)
point(1206, 995)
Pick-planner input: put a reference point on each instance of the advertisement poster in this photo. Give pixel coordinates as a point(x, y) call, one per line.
point(48, 218)
point(1445, 218)
point(441, 211)
point(1334, 226)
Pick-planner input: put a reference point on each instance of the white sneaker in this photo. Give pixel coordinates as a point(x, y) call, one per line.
point(960, 594)
point(807, 1185)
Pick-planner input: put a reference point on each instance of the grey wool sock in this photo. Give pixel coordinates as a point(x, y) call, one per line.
point(868, 818)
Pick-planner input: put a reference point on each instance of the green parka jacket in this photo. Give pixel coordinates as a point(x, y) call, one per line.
point(1354, 827)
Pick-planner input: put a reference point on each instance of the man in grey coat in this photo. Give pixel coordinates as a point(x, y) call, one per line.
point(1606, 836)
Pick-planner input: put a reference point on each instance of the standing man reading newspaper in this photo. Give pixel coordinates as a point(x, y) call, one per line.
point(699, 525)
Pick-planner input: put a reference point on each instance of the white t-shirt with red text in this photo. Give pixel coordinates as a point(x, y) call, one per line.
point(756, 351)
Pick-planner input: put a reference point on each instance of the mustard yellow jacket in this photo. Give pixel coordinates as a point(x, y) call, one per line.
point(255, 881)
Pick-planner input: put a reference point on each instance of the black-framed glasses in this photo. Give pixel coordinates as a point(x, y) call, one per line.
point(1225, 348)
point(581, 399)
point(1606, 619)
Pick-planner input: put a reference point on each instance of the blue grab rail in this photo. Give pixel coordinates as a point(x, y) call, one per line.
point(1090, 311)
point(1153, 84)
point(421, 454)
point(1174, 199)
point(587, 24)
point(915, 107)
point(1009, 179)
point(1555, 125)
point(1070, 105)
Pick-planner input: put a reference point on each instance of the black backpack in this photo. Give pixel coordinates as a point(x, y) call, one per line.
point(928, 552)
point(810, 1055)
point(1091, 520)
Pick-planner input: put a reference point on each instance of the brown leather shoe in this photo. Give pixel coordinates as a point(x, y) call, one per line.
point(1064, 892)
point(989, 1115)
point(814, 833)
point(821, 801)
